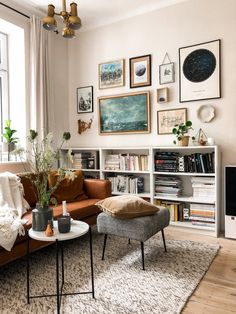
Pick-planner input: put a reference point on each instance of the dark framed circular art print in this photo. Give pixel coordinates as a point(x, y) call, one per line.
point(199, 67)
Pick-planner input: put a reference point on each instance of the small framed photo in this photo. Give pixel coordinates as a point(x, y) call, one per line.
point(167, 119)
point(111, 74)
point(140, 71)
point(166, 73)
point(85, 99)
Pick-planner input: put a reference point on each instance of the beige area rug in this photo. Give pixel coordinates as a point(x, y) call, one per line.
point(121, 287)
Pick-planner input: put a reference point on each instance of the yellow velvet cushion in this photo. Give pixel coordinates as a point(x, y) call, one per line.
point(127, 206)
point(68, 190)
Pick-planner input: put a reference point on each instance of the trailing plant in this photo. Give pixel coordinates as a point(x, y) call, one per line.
point(181, 130)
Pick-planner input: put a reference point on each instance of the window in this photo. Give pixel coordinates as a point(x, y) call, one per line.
point(4, 108)
point(12, 80)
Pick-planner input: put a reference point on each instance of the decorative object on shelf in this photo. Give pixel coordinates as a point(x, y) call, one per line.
point(8, 135)
point(140, 71)
point(70, 19)
point(166, 71)
point(41, 162)
point(206, 113)
point(200, 138)
point(83, 126)
point(167, 119)
point(124, 114)
point(111, 74)
point(85, 99)
point(210, 141)
point(49, 231)
point(199, 67)
point(162, 95)
point(180, 131)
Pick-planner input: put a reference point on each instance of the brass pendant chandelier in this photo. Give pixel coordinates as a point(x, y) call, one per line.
point(71, 20)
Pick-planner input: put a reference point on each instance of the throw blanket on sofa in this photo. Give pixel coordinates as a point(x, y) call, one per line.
point(12, 207)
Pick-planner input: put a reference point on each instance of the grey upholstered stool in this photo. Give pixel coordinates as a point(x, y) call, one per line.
point(140, 228)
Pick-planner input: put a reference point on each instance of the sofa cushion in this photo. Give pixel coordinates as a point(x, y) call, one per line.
point(68, 190)
point(127, 206)
point(30, 193)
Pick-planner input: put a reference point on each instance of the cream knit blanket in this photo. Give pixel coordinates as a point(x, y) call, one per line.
point(12, 207)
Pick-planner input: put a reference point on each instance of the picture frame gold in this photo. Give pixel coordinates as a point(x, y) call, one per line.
point(167, 119)
point(111, 74)
point(124, 114)
point(140, 71)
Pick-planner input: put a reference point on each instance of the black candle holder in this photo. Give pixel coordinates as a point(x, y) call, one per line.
point(64, 224)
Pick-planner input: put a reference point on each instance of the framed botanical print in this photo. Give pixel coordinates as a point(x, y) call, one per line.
point(111, 74)
point(166, 73)
point(167, 119)
point(124, 114)
point(140, 71)
point(85, 99)
point(199, 71)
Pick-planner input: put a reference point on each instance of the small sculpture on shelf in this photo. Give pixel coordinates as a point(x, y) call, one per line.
point(200, 138)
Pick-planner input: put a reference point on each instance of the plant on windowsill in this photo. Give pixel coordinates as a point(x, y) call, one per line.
point(10, 139)
point(180, 131)
point(42, 159)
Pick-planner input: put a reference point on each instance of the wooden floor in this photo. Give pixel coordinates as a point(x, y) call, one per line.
point(216, 293)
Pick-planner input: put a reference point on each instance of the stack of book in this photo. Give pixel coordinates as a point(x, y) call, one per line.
point(126, 162)
point(166, 162)
point(176, 209)
point(127, 184)
point(202, 215)
point(85, 160)
point(168, 186)
point(204, 188)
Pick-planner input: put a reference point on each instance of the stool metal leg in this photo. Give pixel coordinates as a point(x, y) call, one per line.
point(142, 251)
point(57, 277)
point(163, 238)
point(129, 241)
point(104, 246)
point(28, 287)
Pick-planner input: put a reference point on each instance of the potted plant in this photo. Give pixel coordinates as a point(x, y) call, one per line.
point(42, 159)
point(180, 131)
point(10, 140)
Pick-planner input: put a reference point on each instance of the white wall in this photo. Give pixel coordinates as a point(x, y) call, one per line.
point(156, 33)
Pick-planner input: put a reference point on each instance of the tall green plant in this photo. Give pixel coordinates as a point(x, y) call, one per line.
point(9, 132)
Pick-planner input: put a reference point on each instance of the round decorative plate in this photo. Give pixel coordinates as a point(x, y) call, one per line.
point(206, 113)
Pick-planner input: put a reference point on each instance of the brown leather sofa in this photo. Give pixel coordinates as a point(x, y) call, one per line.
point(84, 210)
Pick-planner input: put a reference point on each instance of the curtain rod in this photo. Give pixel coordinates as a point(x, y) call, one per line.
point(7, 6)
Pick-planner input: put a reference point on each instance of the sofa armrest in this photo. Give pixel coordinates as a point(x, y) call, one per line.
point(95, 188)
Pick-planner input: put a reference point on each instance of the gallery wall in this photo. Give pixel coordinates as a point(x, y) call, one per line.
point(155, 33)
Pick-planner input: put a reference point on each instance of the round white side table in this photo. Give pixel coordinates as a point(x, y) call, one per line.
point(78, 228)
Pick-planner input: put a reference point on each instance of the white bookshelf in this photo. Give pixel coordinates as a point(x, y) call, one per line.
point(150, 174)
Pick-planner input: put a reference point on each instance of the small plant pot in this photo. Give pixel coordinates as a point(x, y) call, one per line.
point(184, 141)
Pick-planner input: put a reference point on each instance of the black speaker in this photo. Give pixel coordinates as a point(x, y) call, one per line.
point(230, 201)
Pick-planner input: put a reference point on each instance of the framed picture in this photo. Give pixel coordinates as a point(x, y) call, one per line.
point(167, 119)
point(124, 114)
point(199, 75)
point(85, 99)
point(166, 73)
point(140, 71)
point(111, 74)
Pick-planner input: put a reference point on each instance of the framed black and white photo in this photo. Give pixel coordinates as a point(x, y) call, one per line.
point(85, 99)
point(140, 71)
point(199, 71)
point(167, 119)
point(166, 73)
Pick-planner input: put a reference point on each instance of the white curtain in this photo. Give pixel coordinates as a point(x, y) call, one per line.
point(41, 99)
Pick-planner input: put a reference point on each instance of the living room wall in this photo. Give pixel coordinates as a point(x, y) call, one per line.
point(164, 30)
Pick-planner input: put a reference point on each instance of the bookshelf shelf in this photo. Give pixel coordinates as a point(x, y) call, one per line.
point(146, 176)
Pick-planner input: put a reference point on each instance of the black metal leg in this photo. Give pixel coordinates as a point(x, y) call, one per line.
point(104, 246)
point(129, 241)
point(57, 277)
point(62, 264)
point(142, 251)
point(163, 238)
point(28, 294)
point(91, 259)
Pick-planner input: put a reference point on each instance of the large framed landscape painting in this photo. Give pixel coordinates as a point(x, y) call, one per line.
point(111, 74)
point(124, 114)
point(199, 71)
